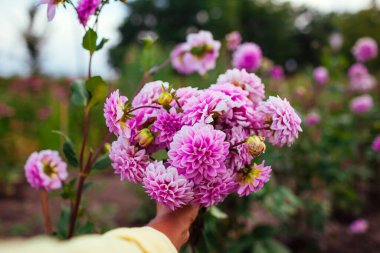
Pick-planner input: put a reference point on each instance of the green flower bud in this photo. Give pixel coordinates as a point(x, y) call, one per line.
point(165, 98)
point(255, 145)
point(144, 137)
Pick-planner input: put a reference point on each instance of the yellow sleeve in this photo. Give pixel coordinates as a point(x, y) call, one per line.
point(121, 240)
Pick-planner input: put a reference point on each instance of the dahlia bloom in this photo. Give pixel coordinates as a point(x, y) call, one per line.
point(183, 94)
point(284, 121)
point(166, 126)
point(253, 178)
point(247, 81)
point(247, 56)
point(312, 119)
point(211, 192)
point(336, 41)
point(166, 186)
point(86, 8)
point(178, 60)
point(52, 6)
point(45, 170)
point(205, 106)
point(233, 40)
point(241, 156)
point(321, 75)
point(357, 70)
point(365, 49)
point(360, 79)
point(361, 104)
point(236, 93)
point(199, 152)
point(359, 226)
point(128, 161)
point(376, 144)
point(277, 72)
point(114, 113)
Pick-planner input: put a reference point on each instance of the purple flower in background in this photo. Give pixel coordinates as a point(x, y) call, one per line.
point(365, 49)
point(52, 5)
point(360, 79)
point(376, 144)
point(247, 56)
point(114, 111)
point(312, 119)
point(321, 75)
point(233, 40)
point(359, 226)
point(211, 192)
point(357, 70)
point(86, 8)
point(247, 81)
point(46, 170)
point(166, 126)
point(336, 41)
point(199, 152)
point(6, 111)
point(277, 72)
point(284, 123)
point(178, 60)
point(128, 161)
point(167, 187)
point(253, 178)
point(361, 104)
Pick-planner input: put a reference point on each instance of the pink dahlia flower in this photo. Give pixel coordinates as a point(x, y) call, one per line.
point(336, 41)
point(211, 192)
point(321, 75)
point(312, 119)
point(247, 56)
point(284, 123)
point(376, 144)
point(183, 94)
point(365, 49)
point(277, 72)
point(166, 126)
point(357, 70)
point(207, 105)
point(45, 170)
point(253, 179)
point(240, 156)
point(247, 81)
point(114, 111)
point(237, 94)
point(359, 226)
point(177, 57)
point(360, 79)
point(128, 161)
point(361, 104)
point(233, 40)
point(167, 187)
point(86, 8)
point(52, 6)
point(199, 152)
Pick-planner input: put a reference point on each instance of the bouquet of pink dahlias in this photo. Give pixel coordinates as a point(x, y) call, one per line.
point(211, 137)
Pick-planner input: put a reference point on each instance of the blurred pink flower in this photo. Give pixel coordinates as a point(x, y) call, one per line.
point(233, 40)
point(312, 119)
point(247, 56)
point(365, 49)
point(359, 226)
point(199, 152)
point(178, 61)
point(44, 113)
point(360, 79)
point(361, 104)
point(321, 75)
point(167, 187)
point(128, 160)
point(46, 170)
point(86, 8)
point(277, 72)
point(253, 178)
point(336, 40)
point(284, 122)
point(52, 5)
point(376, 144)
point(6, 111)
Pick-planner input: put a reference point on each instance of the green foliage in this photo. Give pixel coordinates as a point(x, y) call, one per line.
point(97, 89)
point(89, 41)
point(79, 95)
point(103, 162)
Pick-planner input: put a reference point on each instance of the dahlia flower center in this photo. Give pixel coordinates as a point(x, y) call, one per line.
point(59, 1)
point(201, 51)
point(250, 175)
point(50, 170)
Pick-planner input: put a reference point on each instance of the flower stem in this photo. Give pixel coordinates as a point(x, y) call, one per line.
point(46, 211)
point(99, 150)
point(143, 106)
point(84, 140)
point(149, 73)
point(238, 144)
point(74, 212)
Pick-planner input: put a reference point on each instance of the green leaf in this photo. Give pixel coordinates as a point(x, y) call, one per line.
point(101, 44)
point(217, 213)
point(98, 90)
point(79, 93)
point(62, 223)
point(103, 162)
point(275, 246)
point(69, 151)
point(89, 41)
point(86, 228)
point(68, 190)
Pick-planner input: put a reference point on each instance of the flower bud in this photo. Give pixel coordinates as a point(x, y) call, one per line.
point(144, 137)
point(107, 147)
point(165, 98)
point(255, 145)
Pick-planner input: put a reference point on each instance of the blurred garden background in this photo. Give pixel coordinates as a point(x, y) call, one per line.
point(328, 179)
